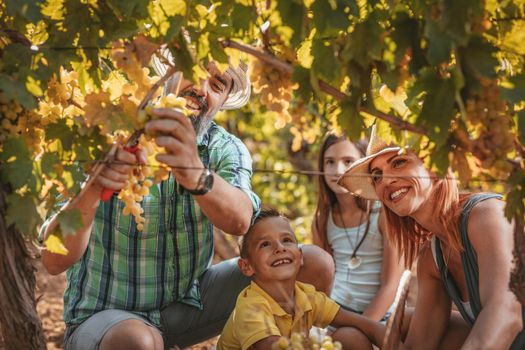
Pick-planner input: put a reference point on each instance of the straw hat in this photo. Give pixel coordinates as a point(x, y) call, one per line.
point(357, 177)
point(240, 91)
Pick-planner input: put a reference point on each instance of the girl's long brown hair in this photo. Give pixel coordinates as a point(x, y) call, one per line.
point(409, 236)
point(326, 197)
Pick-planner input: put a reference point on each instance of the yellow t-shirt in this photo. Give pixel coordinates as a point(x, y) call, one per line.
point(257, 316)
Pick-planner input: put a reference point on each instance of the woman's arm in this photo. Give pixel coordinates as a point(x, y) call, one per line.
point(430, 318)
point(391, 270)
point(491, 235)
point(374, 330)
point(433, 305)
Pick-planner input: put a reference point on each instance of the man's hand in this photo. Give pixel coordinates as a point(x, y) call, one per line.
point(115, 174)
point(174, 131)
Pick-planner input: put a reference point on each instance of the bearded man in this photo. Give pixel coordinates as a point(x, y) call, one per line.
point(157, 288)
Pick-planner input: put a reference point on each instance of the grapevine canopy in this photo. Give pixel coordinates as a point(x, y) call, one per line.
point(446, 77)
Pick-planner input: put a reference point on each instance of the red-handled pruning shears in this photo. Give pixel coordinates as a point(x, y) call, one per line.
point(132, 146)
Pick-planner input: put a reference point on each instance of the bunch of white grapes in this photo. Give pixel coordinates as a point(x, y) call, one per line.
point(136, 187)
point(142, 177)
point(299, 341)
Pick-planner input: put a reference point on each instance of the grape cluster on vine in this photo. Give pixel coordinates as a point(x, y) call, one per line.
point(299, 341)
point(16, 120)
point(489, 115)
point(142, 177)
point(274, 86)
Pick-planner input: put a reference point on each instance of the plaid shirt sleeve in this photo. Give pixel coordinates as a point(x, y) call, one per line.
point(236, 168)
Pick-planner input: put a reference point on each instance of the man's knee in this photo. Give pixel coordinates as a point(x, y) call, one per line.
point(318, 268)
point(132, 335)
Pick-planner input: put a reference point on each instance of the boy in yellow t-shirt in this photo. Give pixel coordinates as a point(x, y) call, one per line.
point(275, 304)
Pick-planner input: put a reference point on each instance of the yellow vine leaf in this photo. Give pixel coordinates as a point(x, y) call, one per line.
point(304, 55)
point(55, 244)
point(144, 49)
point(235, 56)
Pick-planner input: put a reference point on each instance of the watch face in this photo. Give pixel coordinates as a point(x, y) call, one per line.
point(205, 183)
point(208, 181)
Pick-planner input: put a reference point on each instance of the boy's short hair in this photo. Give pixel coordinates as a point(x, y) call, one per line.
point(263, 214)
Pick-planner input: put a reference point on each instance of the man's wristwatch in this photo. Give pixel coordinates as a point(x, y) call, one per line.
point(204, 184)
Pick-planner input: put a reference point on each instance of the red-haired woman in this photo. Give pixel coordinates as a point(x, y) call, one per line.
point(467, 260)
point(367, 268)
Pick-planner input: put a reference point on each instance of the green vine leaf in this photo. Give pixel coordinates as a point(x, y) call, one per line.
point(21, 211)
point(17, 163)
point(70, 221)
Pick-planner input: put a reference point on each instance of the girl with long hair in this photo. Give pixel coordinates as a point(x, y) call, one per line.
point(367, 268)
point(463, 244)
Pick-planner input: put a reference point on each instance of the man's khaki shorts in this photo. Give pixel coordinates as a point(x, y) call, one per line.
point(182, 325)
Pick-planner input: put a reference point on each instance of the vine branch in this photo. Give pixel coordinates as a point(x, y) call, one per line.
point(323, 85)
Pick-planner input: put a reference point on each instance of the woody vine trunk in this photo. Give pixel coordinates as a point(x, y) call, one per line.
point(20, 325)
point(517, 277)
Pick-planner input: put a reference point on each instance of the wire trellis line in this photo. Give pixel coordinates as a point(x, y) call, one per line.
point(292, 172)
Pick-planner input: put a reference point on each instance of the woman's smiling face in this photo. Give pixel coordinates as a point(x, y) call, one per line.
point(401, 182)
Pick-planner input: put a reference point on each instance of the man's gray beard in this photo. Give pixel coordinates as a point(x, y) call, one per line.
point(201, 123)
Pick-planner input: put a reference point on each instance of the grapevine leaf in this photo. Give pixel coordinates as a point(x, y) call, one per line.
point(128, 8)
point(304, 54)
point(438, 106)
point(77, 177)
point(182, 56)
point(21, 211)
point(514, 199)
point(33, 86)
point(242, 16)
point(216, 50)
point(479, 58)
point(17, 164)
point(457, 16)
point(48, 162)
point(70, 221)
point(350, 120)
point(60, 131)
point(406, 35)
point(327, 19)
point(292, 15)
point(175, 26)
point(440, 159)
point(324, 63)
point(302, 77)
point(390, 78)
point(143, 49)
point(15, 90)
point(364, 43)
point(514, 89)
point(172, 8)
point(439, 43)
point(54, 243)
point(521, 126)
point(27, 9)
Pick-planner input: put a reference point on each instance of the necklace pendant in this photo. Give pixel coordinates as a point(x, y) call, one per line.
point(354, 263)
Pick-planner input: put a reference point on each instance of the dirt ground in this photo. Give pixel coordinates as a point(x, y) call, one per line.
point(50, 306)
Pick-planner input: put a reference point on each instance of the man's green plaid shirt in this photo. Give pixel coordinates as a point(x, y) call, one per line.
point(145, 271)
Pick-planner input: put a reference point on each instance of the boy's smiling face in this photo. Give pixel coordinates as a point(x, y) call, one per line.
point(273, 253)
